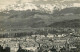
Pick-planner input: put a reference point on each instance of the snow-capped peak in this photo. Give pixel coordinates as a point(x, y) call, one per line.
point(76, 4)
point(22, 6)
point(42, 7)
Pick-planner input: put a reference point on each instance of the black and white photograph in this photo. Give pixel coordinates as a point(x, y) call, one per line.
point(39, 25)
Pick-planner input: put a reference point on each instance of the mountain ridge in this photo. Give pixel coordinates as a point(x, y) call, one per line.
point(67, 24)
point(42, 7)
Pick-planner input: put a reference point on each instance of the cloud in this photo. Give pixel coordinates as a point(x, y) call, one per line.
point(45, 0)
point(27, 0)
point(36, 0)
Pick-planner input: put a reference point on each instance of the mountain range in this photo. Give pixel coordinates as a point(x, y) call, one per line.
point(18, 6)
point(28, 15)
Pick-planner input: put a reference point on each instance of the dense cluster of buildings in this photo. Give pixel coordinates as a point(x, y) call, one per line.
point(41, 43)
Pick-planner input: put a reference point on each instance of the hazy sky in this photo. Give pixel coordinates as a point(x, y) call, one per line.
point(4, 3)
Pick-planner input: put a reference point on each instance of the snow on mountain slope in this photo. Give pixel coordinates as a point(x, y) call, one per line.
point(42, 7)
point(22, 6)
point(56, 6)
point(76, 4)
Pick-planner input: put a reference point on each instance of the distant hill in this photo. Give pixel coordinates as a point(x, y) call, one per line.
point(68, 11)
point(68, 23)
point(36, 18)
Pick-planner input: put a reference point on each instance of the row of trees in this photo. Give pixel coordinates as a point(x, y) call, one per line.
point(40, 32)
